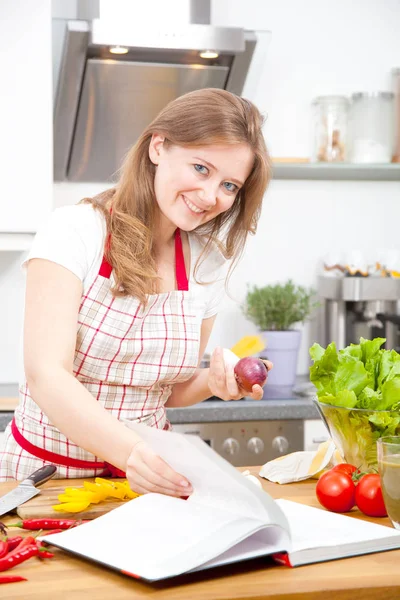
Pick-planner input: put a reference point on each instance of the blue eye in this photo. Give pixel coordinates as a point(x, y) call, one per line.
point(230, 187)
point(199, 169)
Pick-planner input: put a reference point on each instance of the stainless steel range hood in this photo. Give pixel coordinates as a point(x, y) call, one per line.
point(103, 101)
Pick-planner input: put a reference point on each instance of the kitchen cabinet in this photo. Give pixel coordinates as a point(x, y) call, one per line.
point(25, 119)
point(337, 171)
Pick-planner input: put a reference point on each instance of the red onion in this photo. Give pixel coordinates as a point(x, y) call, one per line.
point(250, 371)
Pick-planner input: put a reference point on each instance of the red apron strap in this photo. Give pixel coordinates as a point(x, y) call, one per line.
point(105, 267)
point(59, 459)
point(180, 269)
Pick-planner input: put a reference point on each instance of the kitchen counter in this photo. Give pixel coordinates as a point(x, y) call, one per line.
point(368, 577)
point(209, 411)
point(245, 410)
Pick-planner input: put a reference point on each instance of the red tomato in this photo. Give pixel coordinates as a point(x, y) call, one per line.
point(369, 497)
point(346, 468)
point(336, 491)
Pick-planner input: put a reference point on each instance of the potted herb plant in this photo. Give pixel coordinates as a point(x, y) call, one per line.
point(275, 309)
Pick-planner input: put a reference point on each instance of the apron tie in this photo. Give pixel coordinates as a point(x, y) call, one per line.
point(59, 459)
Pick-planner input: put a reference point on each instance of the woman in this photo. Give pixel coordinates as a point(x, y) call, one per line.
point(123, 290)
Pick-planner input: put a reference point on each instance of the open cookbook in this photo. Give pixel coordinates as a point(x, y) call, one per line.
point(227, 519)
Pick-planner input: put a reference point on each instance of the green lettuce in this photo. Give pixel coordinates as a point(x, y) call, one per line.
point(360, 376)
point(372, 373)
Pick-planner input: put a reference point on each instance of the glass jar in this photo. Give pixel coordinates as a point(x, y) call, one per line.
point(396, 88)
point(372, 127)
point(330, 116)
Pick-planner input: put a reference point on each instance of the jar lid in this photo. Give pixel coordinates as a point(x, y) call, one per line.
point(331, 100)
point(385, 95)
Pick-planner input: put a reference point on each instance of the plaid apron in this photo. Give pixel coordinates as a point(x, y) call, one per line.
point(128, 357)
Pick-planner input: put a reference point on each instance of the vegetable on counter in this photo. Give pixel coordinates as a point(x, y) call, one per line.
point(75, 500)
point(346, 468)
point(16, 550)
point(359, 376)
point(3, 548)
point(343, 487)
point(16, 557)
point(369, 498)
point(14, 541)
point(358, 390)
point(335, 491)
point(11, 578)
point(38, 524)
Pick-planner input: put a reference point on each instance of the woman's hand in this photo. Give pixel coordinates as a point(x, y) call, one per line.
point(148, 472)
point(222, 381)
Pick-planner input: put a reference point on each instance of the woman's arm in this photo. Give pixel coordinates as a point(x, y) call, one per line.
point(53, 296)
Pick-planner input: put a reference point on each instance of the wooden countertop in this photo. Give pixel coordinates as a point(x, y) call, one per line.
point(368, 577)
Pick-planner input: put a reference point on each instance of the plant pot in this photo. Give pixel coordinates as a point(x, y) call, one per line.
point(282, 349)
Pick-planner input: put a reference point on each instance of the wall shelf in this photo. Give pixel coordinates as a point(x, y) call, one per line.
point(15, 242)
point(336, 171)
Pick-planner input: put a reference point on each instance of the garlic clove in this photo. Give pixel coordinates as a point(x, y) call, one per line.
point(230, 358)
point(252, 478)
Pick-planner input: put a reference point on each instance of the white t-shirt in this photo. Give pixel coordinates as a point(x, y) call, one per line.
point(74, 236)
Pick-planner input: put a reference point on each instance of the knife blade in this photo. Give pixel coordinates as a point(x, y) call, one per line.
point(26, 489)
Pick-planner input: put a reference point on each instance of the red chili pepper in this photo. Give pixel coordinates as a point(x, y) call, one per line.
point(11, 578)
point(15, 558)
point(54, 531)
point(13, 542)
point(43, 552)
point(35, 524)
point(3, 548)
point(26, 541)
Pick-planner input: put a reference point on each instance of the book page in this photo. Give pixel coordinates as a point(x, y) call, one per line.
point(317, 529)
point(216, 482)
point(262, 543)
point(157, 536)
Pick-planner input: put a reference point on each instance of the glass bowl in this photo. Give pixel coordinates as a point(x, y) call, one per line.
point(355, 432)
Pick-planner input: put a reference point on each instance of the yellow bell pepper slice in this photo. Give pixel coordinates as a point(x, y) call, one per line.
point(129, 493)
point(92, 497)
point(72, 507)
point(70, 491)
point(95, 488)
point(112, 490)
point(78, 499)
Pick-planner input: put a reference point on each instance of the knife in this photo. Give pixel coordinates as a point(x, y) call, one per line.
point(26, 489)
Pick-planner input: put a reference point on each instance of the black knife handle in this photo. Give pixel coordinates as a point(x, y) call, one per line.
point(42, 475)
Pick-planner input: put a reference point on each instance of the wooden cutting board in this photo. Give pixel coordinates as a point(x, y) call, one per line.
point(39, 507)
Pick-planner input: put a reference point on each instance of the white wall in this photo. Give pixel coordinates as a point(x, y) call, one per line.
point(317, 47)
point(25, 114)
point(26, 174)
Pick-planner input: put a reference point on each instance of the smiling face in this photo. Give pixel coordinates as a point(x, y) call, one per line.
point(195, 184)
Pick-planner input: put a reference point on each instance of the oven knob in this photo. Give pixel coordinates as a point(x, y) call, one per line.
point(255, 445)
point(230, 446)
point(280, 443)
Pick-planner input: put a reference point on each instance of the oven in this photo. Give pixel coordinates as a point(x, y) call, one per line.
point(249, 443)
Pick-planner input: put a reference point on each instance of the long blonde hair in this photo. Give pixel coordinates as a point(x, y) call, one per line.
point(200, 118)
